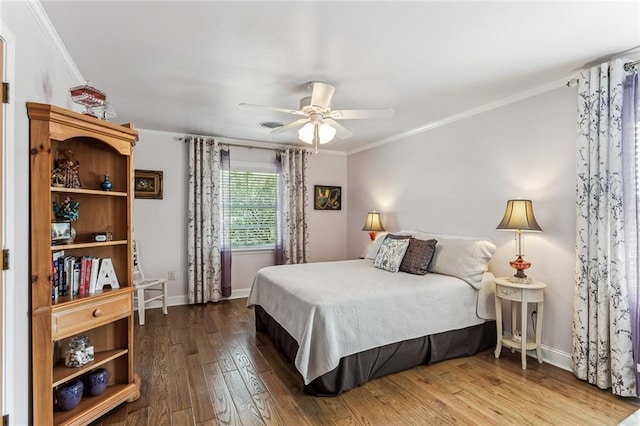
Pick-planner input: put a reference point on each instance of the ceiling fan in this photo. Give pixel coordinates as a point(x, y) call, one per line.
point(319, 124)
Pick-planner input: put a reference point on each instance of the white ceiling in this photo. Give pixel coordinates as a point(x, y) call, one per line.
point(185, 66)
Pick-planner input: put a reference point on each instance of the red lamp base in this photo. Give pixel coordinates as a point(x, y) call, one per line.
point(372, 235)
point(520, 265)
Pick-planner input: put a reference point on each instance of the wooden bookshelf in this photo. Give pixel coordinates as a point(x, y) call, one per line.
point(106, 317)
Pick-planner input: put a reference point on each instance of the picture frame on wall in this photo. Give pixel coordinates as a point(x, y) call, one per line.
point(327, 197)
point(148, 184)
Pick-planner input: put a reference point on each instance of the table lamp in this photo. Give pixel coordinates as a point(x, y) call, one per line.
point(373, 224)
point(519, 217)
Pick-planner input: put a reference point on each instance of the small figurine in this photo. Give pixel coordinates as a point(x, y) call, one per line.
point(57, 178)
point(69, 168)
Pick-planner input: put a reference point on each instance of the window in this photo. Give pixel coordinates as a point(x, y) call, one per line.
point(253, 208)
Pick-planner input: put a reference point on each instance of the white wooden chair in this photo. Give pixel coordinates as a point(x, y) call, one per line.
point(142, 284)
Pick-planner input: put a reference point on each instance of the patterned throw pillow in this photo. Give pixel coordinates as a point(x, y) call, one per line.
point(419, 253)
point(390, 255)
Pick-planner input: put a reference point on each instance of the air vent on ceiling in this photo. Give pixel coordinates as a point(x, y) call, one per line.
point(271, 125)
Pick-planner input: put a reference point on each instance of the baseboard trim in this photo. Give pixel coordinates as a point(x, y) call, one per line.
point(182, 299)
point(551, 356)
point(556, 357)
point(239, 294)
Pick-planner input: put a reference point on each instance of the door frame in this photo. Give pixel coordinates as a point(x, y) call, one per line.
point(7, 217)
point(2, 204)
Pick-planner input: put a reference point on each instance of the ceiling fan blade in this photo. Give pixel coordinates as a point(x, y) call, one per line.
point(361, 114)
point(290, 126)
point(321, 94)
point(341, 131)
point(287, 110)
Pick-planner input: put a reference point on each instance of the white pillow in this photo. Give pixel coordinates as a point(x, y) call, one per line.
point(422, 235)
point(390, 255)
point(464, 257)
point(375, 246)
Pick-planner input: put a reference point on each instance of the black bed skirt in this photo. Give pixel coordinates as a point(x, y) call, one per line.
point(357, 369)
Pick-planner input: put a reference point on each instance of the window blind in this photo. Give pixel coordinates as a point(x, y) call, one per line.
point(252, 209)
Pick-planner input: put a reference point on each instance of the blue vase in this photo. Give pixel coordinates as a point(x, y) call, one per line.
point(95, 382)
point(106, 183)
point(69, 395)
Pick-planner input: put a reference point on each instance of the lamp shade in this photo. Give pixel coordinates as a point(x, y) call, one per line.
point(518, 216)
point(372, 223)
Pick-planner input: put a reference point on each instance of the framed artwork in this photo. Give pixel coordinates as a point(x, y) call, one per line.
point(148, 184)
point(327, 197)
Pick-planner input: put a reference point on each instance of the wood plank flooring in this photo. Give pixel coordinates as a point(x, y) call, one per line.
point(205, 365)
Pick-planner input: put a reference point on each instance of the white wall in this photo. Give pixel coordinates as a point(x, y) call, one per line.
point(456, 179)
point(327, 229)
point(160, 225)
point(40, 76)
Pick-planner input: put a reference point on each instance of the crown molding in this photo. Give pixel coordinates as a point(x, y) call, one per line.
point(469, 113)
point(35, 7)
point(249, 143)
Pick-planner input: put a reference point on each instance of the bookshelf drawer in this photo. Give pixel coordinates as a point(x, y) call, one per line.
point(89, 314)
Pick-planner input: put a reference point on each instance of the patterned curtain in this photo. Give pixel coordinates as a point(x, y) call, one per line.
point(631, 204)
point(602, 344)
point(292, 233)
point(208, 237)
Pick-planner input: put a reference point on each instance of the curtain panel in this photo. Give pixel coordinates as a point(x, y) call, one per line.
point(208, 236)
point(602, 338)
point(292, 230)
point(631, 203)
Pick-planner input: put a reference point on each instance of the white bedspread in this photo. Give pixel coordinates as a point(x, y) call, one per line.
point(335, 309)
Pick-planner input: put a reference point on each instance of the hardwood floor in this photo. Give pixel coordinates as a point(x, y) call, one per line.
point(205, 365)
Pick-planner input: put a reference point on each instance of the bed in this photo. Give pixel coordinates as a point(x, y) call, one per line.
point(344, 323)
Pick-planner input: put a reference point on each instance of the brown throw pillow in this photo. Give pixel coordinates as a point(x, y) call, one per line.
point(419, 253)
point(397, 237)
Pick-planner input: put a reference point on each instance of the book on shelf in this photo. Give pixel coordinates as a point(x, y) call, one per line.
point(75, 276)
point(93, 279)
point(68, 263)
point(83, 276)
point(56, 267)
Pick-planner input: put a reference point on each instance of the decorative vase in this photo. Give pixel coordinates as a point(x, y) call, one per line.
point(69, 395)
point(106, 183)
point(73, 235)
point(95, 381)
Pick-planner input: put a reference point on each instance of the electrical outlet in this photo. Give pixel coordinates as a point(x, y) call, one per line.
point(171, 275)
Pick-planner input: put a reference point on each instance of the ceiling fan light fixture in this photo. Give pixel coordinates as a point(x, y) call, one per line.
point(326, 133)
point(305, 134)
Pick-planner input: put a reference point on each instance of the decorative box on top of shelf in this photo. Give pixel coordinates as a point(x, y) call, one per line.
point(100, 148)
